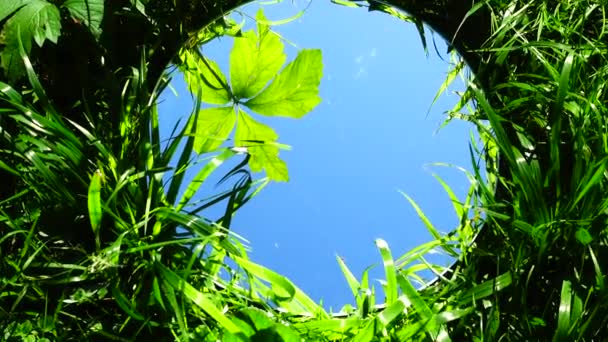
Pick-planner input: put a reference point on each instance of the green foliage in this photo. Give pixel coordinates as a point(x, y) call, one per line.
point(257, 84)
point(135, 261)
point(89, 12)
point(35, 20)
point(39, 21)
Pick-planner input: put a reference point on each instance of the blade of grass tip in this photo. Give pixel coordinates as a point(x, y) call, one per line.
point(453, 198)
point(352, 281)
point(563, 317)
point(282, 285)
point(365, 293)
point(201, 300)
point(597, 175)
point(452, 74)
point(346, 3)
point(390, 288)
point(427, 223)
point(429, 226)
point(178, 177)
point(156, 293)
point(202, 176)
point(599, 275)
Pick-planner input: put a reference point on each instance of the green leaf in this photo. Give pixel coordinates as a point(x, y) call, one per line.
point(10, 6)
point(255, 60)
point(390, 272)
point(213, 127)
point(94, 204)
point(202, 300)
point(282, 288)
point(583, 236)
point(259, 140)
point(38, 20)
point(295, 91)
point(204, 78)
point(90, 12)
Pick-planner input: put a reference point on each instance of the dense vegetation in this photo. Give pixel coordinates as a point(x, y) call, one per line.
point(101, 239)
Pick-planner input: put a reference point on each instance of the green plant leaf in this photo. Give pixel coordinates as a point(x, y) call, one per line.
point(260, 141)
point(213, 127)
point(204, 78)
point(94, 204)
point(90, 12)
point(202, 300)
point(255, 60)
point(38, 20)
point(295, 91)
point(389, 270)
point(583, 236)
point(10, 6)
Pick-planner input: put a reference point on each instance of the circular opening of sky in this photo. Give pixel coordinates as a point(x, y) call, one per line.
point(371, 137)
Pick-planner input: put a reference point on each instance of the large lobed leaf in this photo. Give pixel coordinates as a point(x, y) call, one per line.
point(295, 91)
point(255, 60)
point(205, 78)
point(90, 12)
point(36, 20)
point(260, 142)
point(213, 128)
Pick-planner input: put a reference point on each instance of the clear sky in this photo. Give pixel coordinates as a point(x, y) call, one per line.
point(369, 138)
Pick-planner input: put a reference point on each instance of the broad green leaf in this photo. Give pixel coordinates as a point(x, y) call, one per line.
point(255, 60)
point(213, 127)
point(583, 236)
point(38, 20)
point(295, 91)
point(10, 6)
point(259, 140)
point(204, 78)
point(90, 12)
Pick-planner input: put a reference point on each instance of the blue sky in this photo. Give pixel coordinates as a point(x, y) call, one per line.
point(369, 138)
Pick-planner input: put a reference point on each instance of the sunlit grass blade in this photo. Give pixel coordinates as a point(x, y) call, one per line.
point(436, 332)
point(285, 292)
point(195, 296)
point(486, 289)
point(429, 226)
point(352, 281)
point(390, 289)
